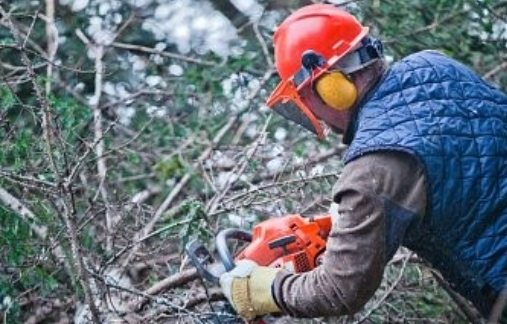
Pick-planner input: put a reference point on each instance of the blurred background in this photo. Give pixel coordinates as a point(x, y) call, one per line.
point(130, 127)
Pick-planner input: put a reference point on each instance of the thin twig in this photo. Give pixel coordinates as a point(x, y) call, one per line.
point(291, 181)
point(142, 239)
point(435, 24)
point(389, 290)
point(238, 171)
point(264, 46)
point(77, 166)
point(471, 314)
point(28, 179)
point(161, 53)
point(41, 97)
point(175, 280)
point(336, 151)
point(28, 216)
point(494, 71)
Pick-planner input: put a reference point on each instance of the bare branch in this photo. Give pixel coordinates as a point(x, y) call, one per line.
point(497, 69)
point(99, 139)
point(161, 53)
point(52, 40)
point(236, 172)
point(176, 280)
point(472, 315)
point(263, 44)
point(48, 128)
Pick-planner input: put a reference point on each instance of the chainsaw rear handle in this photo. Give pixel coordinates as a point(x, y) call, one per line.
point(222, 247)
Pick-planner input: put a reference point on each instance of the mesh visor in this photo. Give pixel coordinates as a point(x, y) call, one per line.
point(292, 112)
point(286, 101)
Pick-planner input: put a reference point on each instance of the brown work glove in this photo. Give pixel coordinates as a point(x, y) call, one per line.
point(248, 289)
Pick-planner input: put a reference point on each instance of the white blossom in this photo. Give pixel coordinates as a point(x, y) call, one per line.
point(176, 70)
point(153, 80)
point(79, 5)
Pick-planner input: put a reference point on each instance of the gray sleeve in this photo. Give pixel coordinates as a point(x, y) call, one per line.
point(372, 191)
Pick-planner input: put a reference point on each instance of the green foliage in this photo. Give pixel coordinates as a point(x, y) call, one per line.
point(189, 221)
point(7, 99)
point(172, 168)
point(22, 262)
point(73, 118)
point(195, 225)
point(206, 79)
point(415, 295)
point(20, 145)
point(248, 62)
point(462, 29)
point(6, 40)
point(23, 141)
point(13, 229)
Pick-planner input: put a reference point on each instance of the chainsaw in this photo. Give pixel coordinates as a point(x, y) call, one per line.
point(292, 242)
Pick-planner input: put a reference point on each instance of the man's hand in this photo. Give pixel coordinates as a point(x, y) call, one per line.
point(248, 289)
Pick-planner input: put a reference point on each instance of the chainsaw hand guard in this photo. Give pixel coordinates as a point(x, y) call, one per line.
point(204, 262)
point(206, 265)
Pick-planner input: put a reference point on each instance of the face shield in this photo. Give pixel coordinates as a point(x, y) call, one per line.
point(287, 100)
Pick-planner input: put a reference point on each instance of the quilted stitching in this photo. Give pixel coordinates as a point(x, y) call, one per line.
point(456, 125)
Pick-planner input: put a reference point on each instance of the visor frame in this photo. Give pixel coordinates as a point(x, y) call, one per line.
point(287, 91)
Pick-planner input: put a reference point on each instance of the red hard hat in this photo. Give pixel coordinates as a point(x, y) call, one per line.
point(322, 28)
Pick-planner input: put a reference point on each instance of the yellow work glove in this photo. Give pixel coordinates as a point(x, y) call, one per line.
point(248, 289)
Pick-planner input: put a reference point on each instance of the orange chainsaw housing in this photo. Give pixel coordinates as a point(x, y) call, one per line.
point(292, 242)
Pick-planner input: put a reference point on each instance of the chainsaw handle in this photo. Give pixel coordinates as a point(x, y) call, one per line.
point(203, 260)
point(222, 248)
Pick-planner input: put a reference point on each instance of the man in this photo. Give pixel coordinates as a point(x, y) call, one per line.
point(426, 168)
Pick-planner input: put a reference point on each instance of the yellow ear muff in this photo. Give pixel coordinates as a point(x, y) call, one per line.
point(336, 90)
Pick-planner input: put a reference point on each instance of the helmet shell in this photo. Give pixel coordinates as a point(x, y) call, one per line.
point(323, 28)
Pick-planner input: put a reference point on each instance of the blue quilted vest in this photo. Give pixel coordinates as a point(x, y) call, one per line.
point(455, 124)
